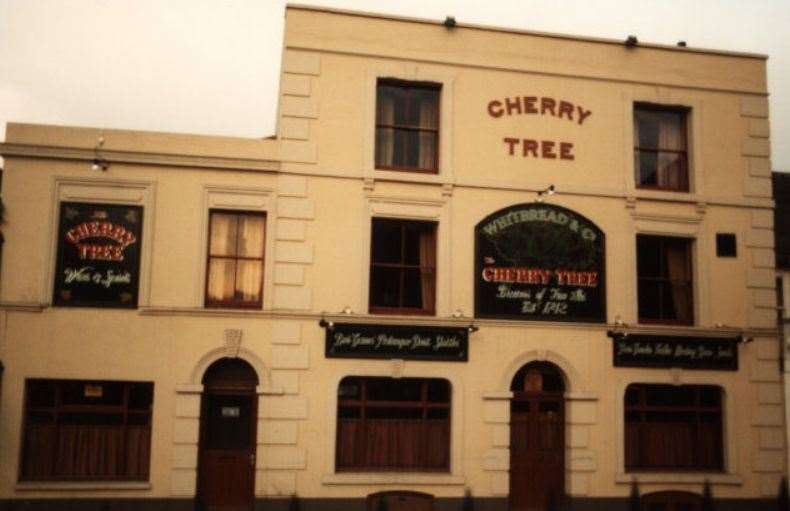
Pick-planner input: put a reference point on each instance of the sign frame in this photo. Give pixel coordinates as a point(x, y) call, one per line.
point(106, 239)
point(369, 342)
point(486, 312)
point(689, 346)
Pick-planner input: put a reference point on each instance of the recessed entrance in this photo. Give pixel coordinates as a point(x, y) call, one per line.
point(228, 418)
point(537, 438)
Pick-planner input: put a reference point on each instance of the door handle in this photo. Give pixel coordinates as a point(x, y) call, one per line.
point(252, 460)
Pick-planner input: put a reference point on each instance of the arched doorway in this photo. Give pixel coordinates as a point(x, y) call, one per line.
point(537, 438)
point(228, 419)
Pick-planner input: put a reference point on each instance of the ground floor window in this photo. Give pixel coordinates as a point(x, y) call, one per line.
point(86, 430)
point(673, 427)
point(393, 424)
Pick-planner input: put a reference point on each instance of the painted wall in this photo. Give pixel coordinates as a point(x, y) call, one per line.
point(317, 184)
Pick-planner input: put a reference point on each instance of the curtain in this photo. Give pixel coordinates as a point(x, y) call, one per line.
point(679, 278)
point(670, 137)
point(222, 242)
point(89, 451)
point(385, 137)
point(427, 269)
point(251, 244)
point(427, 140)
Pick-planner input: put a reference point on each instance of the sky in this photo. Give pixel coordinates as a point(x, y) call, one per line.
point(212, 66)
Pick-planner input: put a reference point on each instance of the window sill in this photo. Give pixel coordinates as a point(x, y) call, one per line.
point(393, 478)
point(718, 478)
point(81, 485)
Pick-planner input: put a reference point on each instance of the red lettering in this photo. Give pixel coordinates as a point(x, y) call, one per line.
point(547, 149)
point(513, 104)
point(495, 109)
point(547, 104)
point(488, 274)
point(512, 142)
point(583, 114)
point(567, 109)
point(530, 146)
point(529, 104)
point(565, 151)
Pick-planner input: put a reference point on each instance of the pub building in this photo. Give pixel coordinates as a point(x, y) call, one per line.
point(475, 266)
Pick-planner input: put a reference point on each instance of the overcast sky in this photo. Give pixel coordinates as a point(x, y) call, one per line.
point(212, 66)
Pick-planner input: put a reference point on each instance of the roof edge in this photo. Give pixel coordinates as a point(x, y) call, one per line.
point(537, 33)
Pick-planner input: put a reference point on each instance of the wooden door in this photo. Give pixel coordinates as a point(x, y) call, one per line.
point(537, 449)
point(226, 464)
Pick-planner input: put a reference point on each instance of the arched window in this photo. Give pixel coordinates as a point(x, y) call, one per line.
point(673, 427)
point(393, 424)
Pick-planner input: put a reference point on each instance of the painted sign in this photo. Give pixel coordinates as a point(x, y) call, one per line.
point(638, 350)
point(396, 341)
point(98, 259)
point(542, 106)
point(539, 262)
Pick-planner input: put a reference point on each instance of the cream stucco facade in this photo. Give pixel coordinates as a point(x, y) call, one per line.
point(317, 183)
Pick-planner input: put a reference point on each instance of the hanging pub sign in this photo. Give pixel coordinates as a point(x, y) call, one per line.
point(98, 258)
point(395, 341)
point(539, 262)
point(638, 350)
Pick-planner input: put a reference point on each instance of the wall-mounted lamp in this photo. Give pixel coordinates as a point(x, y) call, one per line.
point(742, 339)
point(449, 22)
point(347, 310)
point(545, 192)
point(99, 163)
point(472, 328)
point(329, 325)
point(458, 313)
point(682, 44)
point(631, 41)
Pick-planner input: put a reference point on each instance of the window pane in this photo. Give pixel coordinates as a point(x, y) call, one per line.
point(647, 168)
point(650, 300)
point(221, 279)
point(223, 234)
point(141, 396)
point(385, 147)
point(386, 241)
point(388, 389)
point(248, 281)
point(425, 113)
point(438, 391)
point(412, 289)
point(385, 287)
point(251, 235)
point(40, 394)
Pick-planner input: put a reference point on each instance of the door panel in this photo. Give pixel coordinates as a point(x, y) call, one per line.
point(227, 451)
point(537, 451)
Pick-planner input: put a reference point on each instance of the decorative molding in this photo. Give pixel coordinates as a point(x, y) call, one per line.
point(679, 478)
point(81, 486)
point(393, 479)
point(140, 158)
point(22, 306)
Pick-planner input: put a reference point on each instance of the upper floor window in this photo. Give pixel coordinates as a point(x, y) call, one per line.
point(407, 126)
point(402, 267)
point(86, 430)
point(670, 427)
point(234, 276)
point(660, 148)
point(393, 424)
point(664, 279)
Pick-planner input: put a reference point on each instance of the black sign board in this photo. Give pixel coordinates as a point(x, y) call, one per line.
point(395, 341)
point(98, 259)
point(637, 350)
point(539, 262)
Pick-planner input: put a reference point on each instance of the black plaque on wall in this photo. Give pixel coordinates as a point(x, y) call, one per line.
point(98, 258)
point(539, 262)
point(638, 350)
point(396, 341)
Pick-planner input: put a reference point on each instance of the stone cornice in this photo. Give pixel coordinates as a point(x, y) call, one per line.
point(139, 158)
